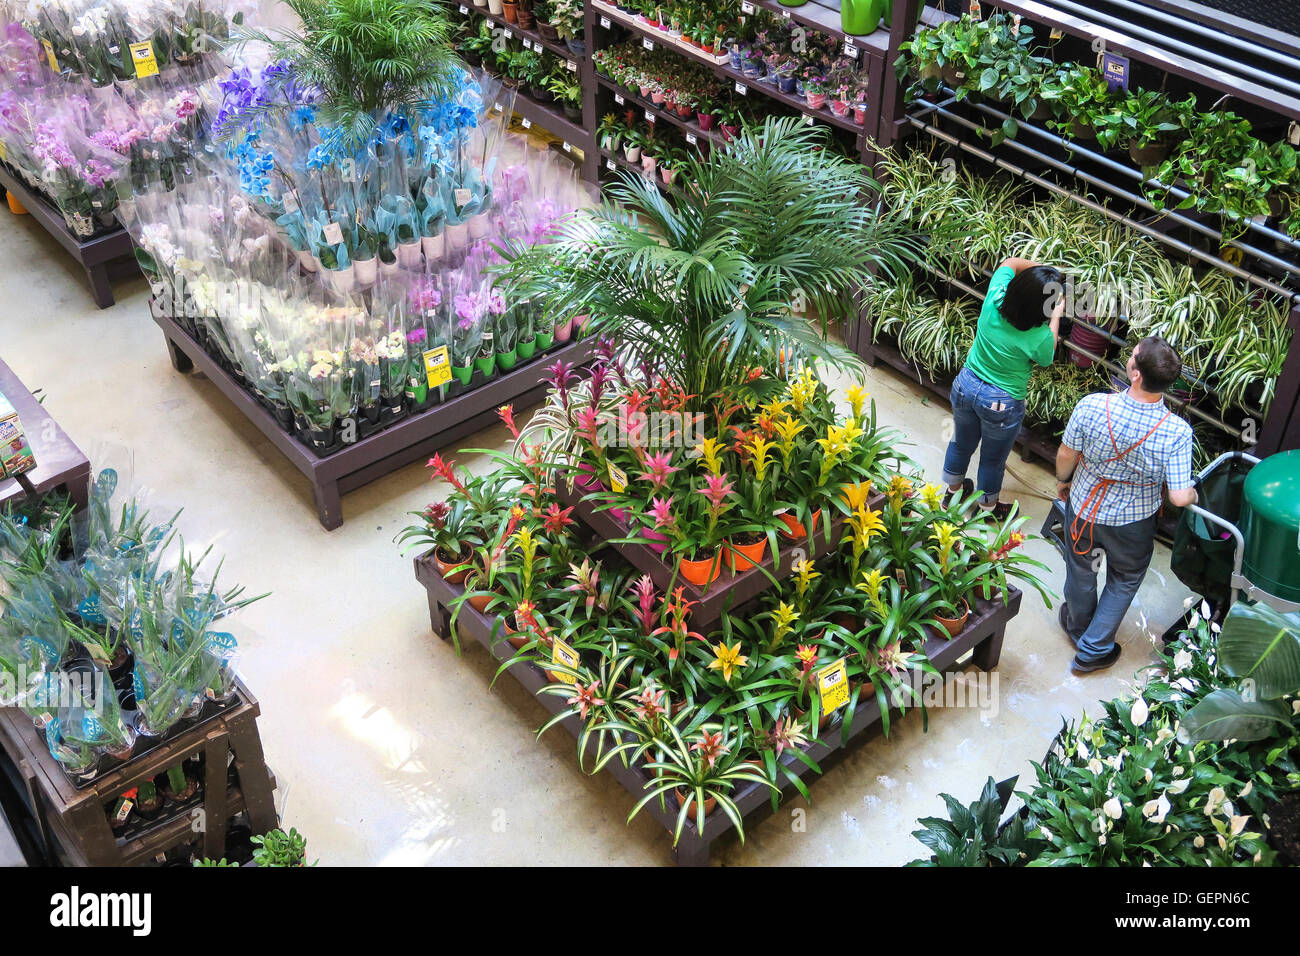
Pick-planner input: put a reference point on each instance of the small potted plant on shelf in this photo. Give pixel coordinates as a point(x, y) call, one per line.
point(510, 10)
point(1081, 99)
point(527, 21)
point(505, 327)
point(610, 132)
point(279, 849)
point(1152, 124)
point(650, 146)
point(568, 19)
point(178, 784)
point(448, 532)
point(526, 317)
point(544, 15)
point(815, 86)
point(632, 144)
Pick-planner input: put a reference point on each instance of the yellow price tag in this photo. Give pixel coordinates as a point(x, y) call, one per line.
point(617, 478)
point(146, 64)
point(1231, 254)
point(437, 366)
point(4, 153)
point(49, 55)
point(562, 653)
point(833, 683)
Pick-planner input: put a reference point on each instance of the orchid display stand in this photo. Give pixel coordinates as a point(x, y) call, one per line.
point(981, 640)
point(103, 257)
point(414, 437)
point(73, 822)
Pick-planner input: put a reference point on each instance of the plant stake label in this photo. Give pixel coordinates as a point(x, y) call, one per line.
point(562, 653)
point(573, 67)
point(833, 684)
point(568, 147)
point(747, 8)
point(690, 138)
point(609, 164)
point(463, 196)
point(617, 478)
point(1115, 68)
point(1056, 33)
point(146, 64)
point(742, 89)
point(49, 55)
point(975, 10)
point(437, 366)
point(290, 201)
point(464, 9)
point(333, 233)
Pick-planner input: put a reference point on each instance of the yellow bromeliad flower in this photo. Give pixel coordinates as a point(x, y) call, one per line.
point(759, 449)
point(711, 451)
point(804, 572)
point(945, 535)
point(783, 619)
point(852, 431)
point(873, 584)
point(866, 524)
point(932, 496)
point(803, 389)
point(787, 430)
point(775, 408)
point(856, 495)
point(727, 659)
point(899, 488)
point(856, 397)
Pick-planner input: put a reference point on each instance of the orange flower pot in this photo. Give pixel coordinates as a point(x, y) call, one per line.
point(954, 625)
point(15, 207)
point(703, 572)
point(445, 567)
point(742, 557)
point(710, 804)
point(796, 529)
point(479, 602)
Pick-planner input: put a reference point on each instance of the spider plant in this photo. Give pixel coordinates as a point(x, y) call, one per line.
point(367, 58)
point(1054, 391)
point(704, 288)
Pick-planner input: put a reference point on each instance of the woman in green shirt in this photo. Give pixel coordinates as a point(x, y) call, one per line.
point(1019, 327)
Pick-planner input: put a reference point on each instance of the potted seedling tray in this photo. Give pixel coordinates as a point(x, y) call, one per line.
point(732, 588)
point(981, 639)
point(72, 822)
point(415, 437)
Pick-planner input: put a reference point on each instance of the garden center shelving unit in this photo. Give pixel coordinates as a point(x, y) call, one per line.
point(980, 644)
point(104, 258)
point(60, 465)
point(73, 822)
point(414, 437)
point(1261, 256)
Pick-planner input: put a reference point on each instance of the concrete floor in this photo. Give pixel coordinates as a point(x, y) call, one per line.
point(390, 750)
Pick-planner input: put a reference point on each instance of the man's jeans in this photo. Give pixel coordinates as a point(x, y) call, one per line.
point(1128, 549)
point(981, 413)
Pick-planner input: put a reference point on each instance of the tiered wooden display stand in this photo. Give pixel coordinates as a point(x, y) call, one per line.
point(73, 822)
point(980, 643)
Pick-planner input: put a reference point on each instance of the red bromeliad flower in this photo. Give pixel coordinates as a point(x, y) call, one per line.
point(556, 519)
point(807, 655)
point(444, 470)
point(710, 747)
point(436, 514)
point(650, 704)
point(741, 445)
point(765, 423)
point(531, 456)
point(1014, 541)
point(586, 698)
point(755, 374)
point(658, 470)
point(507, 414)
point(678, 610)
point(787, 734)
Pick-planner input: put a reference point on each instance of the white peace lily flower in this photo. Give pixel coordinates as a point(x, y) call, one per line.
point(1205, 610)
point(1139, 713)
point(1094, 766)
point(1199, 842)
point(1112, 808)
point(1245, 791)
point(1155, 810)
point(1295, 706)
point(1223, 844)
point(1082, 750)
point(1179, 786)
point(1101, 839)
point(1048, 835)
point(1186, 683)
point(1146, 774)
point(1237, 824)
point(1215, 800)
point(1115, 761)
point(1163, 734)
point(1182, 661)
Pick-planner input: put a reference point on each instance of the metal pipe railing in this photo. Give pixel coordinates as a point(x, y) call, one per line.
point(1186, 23)
point(1132, 223)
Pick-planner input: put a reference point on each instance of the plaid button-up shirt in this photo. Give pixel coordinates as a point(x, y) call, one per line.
point(1164, 458)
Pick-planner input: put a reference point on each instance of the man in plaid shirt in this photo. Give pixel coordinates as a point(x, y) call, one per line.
point(1118, 450)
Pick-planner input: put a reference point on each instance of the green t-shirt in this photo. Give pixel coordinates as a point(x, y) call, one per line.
point(1003, 355)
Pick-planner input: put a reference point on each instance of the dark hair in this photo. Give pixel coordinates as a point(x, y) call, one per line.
point(1158, 362)
point(1031, 296)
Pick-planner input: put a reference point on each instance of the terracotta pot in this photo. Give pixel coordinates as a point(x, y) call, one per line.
point(445, 567)
point(796, 529)
point(479, 602)
point(563, 330)
point(15, 207)
point(706, 120)
point(742, 557)
point(954, 625)
point(510, 8)
point(710, 804)
point(703, 572)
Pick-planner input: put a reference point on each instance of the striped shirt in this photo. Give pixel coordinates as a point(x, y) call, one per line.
point(1164, 458)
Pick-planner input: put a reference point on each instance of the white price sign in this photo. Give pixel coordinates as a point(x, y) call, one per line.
point(333, 233)
point(527, 123)
point(568, 148)
point(528, 44)
point(850, 49)
point(609, 164)
point(647, 43)
point(785, 12)
point(746, 8)
point(649, 117)
point(742, 89)
point(604, 22)
point(690, 138)
point(507, 33)
point(464, 9)
point(573, 67)
point(618, 98)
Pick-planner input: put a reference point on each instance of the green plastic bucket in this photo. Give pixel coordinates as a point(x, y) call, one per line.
point(1270, 525)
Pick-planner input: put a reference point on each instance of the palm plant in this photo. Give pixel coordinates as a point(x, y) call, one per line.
point(367, 58)
point(703, 289)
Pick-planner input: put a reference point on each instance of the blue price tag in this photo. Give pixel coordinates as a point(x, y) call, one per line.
point(1115, 68)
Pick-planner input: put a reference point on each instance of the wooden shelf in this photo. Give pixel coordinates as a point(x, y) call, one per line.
point(532, 38)
point(550, 118)
point(691, 127)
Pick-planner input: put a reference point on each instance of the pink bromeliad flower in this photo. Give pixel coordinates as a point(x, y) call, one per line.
point(658, 470)
point(661, 510)
point(717, 489)
point(645, 603)
point(587, 421)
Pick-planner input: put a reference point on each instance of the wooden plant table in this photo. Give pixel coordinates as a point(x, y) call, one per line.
point(60, 465)
point(981, 639)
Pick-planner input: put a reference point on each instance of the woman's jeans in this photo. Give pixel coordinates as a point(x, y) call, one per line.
point(981, 413)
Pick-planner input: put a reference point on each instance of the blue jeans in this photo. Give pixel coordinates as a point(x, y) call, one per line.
point(1127, 549)
point(981, 413)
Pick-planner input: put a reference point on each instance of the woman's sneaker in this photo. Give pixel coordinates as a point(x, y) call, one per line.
point(967, 487)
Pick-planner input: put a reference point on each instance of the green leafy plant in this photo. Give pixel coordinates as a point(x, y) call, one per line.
point(971, 835)
point(277, 849)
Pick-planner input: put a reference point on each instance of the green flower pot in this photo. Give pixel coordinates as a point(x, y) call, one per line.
point(527, 349)
point(507, 360)
point(545, 340)
point(462, 374)
point(861, 17)
point(485, 364)
point(417, 390)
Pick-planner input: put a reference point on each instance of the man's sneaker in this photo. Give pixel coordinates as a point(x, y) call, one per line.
point(1084, 667)
point(1060, 616)
point(967, 486)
